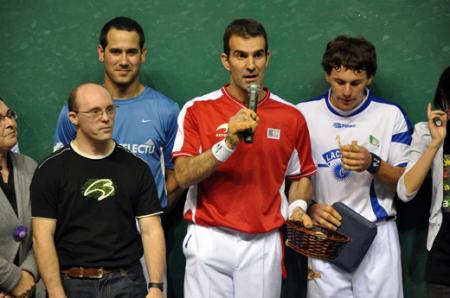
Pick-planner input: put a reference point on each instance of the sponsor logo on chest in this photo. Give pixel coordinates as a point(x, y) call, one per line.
point(343, 125)
point(334, 164)
point(221, 130)
point(147, 148)
point(332, 155)
point(98, 189)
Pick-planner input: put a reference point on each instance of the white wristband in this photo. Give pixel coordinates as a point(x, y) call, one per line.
point(221, 151)
point(297, 204)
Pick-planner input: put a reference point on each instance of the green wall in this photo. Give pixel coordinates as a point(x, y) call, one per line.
point(47, 47)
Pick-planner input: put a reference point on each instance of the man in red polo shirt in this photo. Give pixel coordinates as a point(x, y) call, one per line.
point(236, 202)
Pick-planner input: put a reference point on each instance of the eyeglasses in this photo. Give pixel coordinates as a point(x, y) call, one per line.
point(10, 114)
point(97, 113)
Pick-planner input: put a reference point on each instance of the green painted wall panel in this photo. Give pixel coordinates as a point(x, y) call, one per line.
point(47, 47)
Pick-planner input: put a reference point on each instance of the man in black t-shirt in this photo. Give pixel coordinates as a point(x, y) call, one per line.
point(85, 200)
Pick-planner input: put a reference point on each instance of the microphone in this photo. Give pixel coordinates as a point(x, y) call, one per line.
point(253, 91)
point(437, 121)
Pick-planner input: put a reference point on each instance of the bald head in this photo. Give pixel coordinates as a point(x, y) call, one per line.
point(91, 101)
point(92, 113)
point(83, 93)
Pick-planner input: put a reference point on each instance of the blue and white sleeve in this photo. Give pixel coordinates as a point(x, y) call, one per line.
point(401, 140)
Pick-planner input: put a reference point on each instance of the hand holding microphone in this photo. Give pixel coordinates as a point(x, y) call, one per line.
point(242, 125)
point(253, 91)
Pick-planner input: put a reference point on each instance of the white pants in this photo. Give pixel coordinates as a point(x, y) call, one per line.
point(378, 276)
point(226, 263)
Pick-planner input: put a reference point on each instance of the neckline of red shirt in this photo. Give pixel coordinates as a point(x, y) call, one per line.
point(234, 99)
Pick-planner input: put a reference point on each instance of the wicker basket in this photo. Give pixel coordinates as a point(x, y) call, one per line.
point(316, 242)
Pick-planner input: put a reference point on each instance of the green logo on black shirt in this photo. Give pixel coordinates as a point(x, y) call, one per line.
point(99, 189)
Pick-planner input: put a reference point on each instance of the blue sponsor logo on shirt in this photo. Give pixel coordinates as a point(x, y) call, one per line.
point(333, 162)
point(343, 125)
point(340, 173)
point(332, 155)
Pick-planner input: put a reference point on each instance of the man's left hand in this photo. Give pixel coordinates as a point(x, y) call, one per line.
point(355, 158)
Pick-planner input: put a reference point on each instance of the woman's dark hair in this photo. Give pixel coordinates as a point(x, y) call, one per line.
point(442, 95)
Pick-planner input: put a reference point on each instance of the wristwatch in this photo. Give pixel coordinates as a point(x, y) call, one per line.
point(158, 285)
point(375, 164)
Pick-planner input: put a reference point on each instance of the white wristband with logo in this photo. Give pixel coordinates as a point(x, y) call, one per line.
point(221, 151)
point(297, 204)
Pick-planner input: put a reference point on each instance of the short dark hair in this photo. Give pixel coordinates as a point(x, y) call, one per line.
point(122, 23)
point(244, 28)
point(354, 53)
point(443, 90)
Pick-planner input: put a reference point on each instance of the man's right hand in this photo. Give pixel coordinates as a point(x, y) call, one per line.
point(243, 120)
point(301, 216)
point(325, 216)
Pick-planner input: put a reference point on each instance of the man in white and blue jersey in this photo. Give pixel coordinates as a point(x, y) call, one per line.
point(360, 144)
point(146, 120)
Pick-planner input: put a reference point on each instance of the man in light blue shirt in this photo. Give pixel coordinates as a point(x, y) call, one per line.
point(146, 120)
